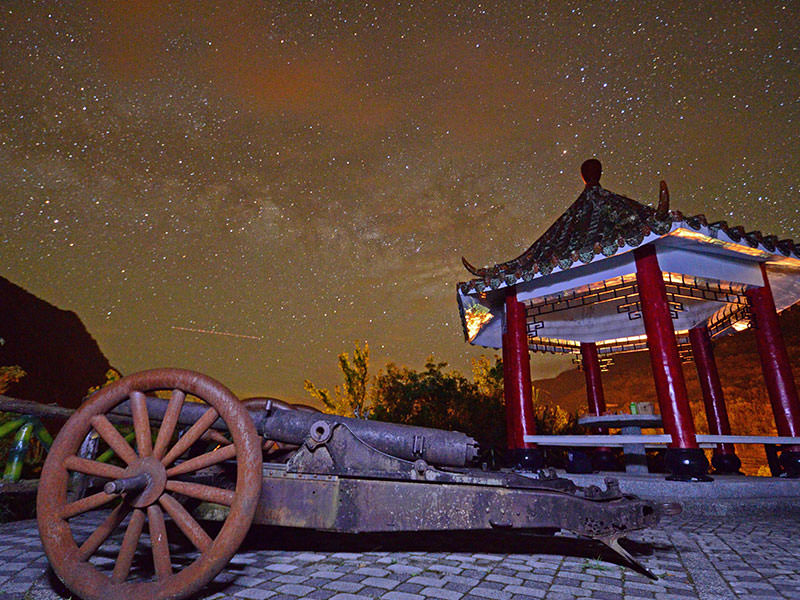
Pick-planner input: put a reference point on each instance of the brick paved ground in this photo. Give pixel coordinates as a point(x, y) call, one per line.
point(741, 554)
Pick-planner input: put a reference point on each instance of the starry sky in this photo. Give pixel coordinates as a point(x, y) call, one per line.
point(249, 188)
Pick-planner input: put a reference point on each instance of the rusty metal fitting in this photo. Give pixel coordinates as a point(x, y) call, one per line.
point(127, 484)
point(319, 434)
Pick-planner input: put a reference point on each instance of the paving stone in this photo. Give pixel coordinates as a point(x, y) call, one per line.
point(411, 588)
point(602, 587)
point(428, 581)
point(321, 594)
point(518, 590)
point(351, 577)
point(461, 580)
point(344, 586)
point(293, 589)
point(759, 559)
point(254, 594)
point(397, 595)
point(482, 591)
point(504, 579)
point(577, 592)
point(280, 567)
point(284, 579)
point(372, 571)
point(309, 557)
point(383, 583)
point(442, 593)
point(451, 569)
point(599, 595)
point(327, 574)
point(402, 569)
point(461, 587)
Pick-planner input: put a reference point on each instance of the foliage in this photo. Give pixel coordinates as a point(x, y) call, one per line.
point(112, 375)
point(551, 419)
point(488, 376)
point(446, 400)
point(10, 375)
point(434, 397)
point(351, 399)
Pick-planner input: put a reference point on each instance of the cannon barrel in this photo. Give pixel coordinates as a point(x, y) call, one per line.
point(435, 446)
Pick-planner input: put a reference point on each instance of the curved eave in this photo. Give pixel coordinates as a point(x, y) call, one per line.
point(696, 228)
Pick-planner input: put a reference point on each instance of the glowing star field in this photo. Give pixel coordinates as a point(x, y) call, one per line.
point(246, 189)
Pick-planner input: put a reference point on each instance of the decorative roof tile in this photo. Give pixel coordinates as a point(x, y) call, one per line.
point(602, 222)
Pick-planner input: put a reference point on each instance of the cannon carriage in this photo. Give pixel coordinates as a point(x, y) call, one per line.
point(196, 453)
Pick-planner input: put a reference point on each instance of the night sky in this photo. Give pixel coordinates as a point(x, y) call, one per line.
point(248, 188)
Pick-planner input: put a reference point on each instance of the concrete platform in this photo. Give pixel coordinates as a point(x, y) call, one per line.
point(739, 546)
point(721, 496)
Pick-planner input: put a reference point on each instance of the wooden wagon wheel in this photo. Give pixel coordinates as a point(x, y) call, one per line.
point(146, 491)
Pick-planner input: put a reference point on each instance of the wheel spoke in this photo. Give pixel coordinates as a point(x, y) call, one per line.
point(168, 423)
point(85, 504)
point(141, 424)
point(128, 548)
point(202, 492)
point(186, 522)
point(203, 461)
point(158, 541)
point(113, 438)
point(215, 436)
point(191, 436)
point(93, 467)
point(100, 535)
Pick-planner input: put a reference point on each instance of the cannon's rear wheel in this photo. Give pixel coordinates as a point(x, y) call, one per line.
point(116, 560)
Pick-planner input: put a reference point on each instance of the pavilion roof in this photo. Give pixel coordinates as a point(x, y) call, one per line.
point(601, 222)
point(578, 280)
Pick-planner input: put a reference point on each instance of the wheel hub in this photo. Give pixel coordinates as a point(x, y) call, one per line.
point(144, 482)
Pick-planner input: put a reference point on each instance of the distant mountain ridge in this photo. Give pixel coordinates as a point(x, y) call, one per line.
point(61, 359)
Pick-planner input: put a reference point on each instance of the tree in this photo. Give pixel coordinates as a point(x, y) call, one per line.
point(488, 376)
point(10, 375)
point(436, 398)
point(352, 398)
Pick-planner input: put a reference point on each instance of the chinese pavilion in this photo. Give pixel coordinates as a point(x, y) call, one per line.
point(613, 275)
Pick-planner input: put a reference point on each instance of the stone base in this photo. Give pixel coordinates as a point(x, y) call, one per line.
point(525, 459)
point(604, 459)
point(790, 462)
point(726, 464)
point(687, 464)
point(578, 461)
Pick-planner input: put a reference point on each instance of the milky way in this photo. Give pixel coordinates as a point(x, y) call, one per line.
point(247, 189)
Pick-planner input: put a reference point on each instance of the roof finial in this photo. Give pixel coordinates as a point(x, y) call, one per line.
point(590, 171)
point(663, 199)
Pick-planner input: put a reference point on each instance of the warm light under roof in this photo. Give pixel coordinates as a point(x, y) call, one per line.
point(706, 239)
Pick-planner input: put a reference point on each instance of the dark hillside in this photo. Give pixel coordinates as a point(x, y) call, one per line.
point(60, 357)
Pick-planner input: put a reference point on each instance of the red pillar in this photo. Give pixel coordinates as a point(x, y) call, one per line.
point(517, 387)
point(604, 459)
point(724, 459)
point(684, 457)
point(777, 370)
point(594, 384)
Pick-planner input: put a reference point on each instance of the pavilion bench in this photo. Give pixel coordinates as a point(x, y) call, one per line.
point(633, 445)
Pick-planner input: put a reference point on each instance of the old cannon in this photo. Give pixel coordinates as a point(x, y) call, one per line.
point(196, 452)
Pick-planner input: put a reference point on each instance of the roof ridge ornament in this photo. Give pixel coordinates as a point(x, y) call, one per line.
point(591, 170)
point(663, 200)
point(471, 268)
